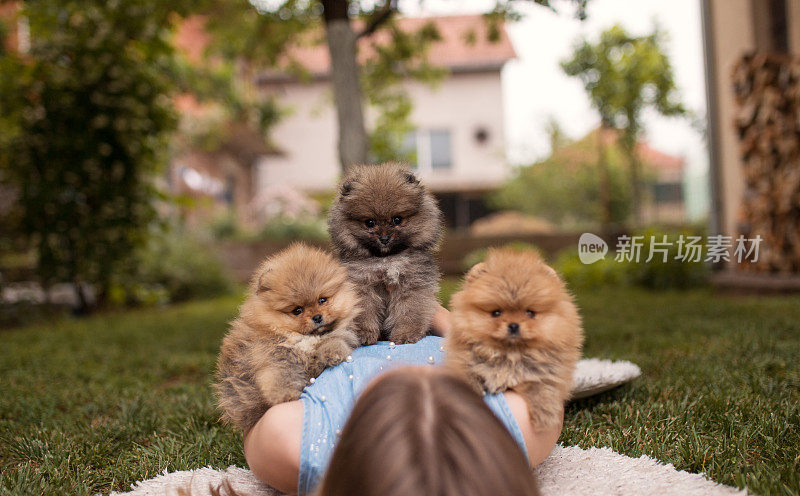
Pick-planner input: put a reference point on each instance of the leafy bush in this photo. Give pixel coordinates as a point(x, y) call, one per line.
point(174, 266)
point(225, 226)
point(85, 116)
point(476, 256)
point(279, 227)
point(604, 272)
point(673, 273)
point(310, 229)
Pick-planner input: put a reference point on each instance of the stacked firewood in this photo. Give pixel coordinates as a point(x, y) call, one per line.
point(767, 93)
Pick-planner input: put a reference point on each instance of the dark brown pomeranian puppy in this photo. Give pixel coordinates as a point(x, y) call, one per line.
point(296, 321)
point(385, 227)
point(516, 327)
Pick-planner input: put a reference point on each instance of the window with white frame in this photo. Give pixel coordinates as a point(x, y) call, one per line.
point(429, 149)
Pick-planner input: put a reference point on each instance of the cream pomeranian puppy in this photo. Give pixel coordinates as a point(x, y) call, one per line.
point(296, 321)
point(516, 327)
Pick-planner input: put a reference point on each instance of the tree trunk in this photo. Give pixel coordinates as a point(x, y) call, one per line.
point(353, 143)
point(636, 186)
point(605, 182)
point(84, 308)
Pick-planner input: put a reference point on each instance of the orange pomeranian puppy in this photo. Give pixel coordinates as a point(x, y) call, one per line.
point(296, 321)
point(516, 327)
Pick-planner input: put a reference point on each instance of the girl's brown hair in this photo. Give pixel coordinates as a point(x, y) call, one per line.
point(423, 431)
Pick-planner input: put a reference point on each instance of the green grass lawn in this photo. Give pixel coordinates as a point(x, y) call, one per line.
point(92, 405)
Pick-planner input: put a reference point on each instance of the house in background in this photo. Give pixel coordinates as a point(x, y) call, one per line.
point(459, 140)
point(663, 198)
point(214, 159)
point(219, 181)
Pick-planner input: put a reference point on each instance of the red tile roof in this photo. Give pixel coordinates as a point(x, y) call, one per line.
point(191, 38)
point(651, 156)
point(660, 160)
point(464, 46)
point(455, 51)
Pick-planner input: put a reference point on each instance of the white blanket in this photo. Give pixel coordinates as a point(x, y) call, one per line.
point(568, 471)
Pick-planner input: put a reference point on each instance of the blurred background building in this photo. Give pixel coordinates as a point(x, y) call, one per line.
point(521, 136)
point(458, 144)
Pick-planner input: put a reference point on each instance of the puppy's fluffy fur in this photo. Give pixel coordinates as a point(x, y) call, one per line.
point(516, 327)
point(385, 227)
point(297, 320)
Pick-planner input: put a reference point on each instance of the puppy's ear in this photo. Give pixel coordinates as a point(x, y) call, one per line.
point(261, 282)
point(346, 188)
point(475, 271)
point(551, 271)
point(410, 178)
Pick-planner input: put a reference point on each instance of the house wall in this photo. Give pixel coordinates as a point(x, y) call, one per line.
point(736, 28)
point(463, 103)
point(732, 28)
point(665, 211)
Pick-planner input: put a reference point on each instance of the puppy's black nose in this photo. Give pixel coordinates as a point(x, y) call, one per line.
point(384, 240)
point(513, 328)
point(317, 318)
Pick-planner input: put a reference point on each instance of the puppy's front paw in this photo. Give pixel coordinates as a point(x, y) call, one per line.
point(368, 335)
point(315, 368)
point(331, 352)
point(545, 407)
point(407, 334)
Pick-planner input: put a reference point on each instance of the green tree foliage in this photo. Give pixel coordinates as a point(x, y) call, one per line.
point(405, 56)
point(86, 115)
point(264, 40)
point(263, 34)
point(624, 75)
point(565, 187)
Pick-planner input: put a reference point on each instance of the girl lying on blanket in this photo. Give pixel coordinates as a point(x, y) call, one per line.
point(291, 445)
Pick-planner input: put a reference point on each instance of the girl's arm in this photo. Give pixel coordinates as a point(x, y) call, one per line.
point(539, 442)
point(272, 446)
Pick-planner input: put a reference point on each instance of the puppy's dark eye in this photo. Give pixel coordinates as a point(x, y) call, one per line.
point(396, 220)
point(530, 313)
point(496, 313)
point(322, 300)
point(369, 223)
point(297, 310)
